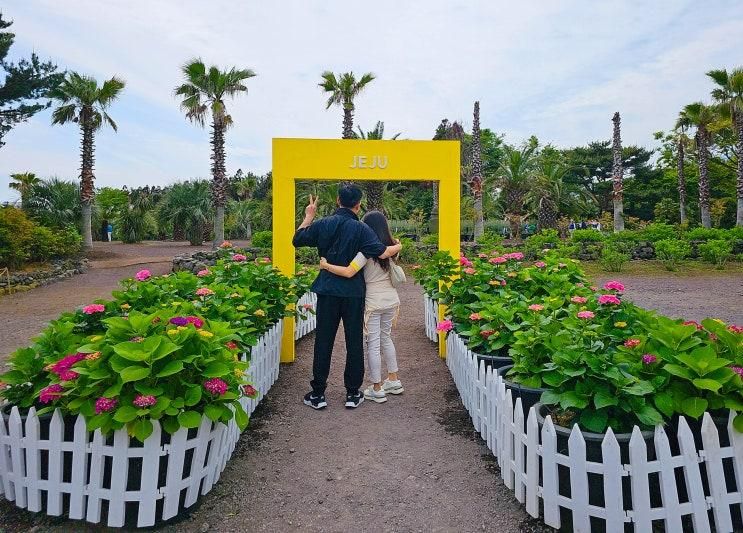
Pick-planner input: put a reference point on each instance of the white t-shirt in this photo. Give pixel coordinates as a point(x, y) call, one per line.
point(380, 294)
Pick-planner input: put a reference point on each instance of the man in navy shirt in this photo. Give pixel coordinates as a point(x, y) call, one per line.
point(339, 238)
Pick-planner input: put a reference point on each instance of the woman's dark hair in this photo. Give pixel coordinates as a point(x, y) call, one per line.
point(378, 223)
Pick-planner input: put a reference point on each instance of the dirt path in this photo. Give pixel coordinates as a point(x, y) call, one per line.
point(411, 464)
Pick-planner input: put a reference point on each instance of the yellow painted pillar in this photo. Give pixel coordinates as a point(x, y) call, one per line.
point(283, 231)
point(449, 222)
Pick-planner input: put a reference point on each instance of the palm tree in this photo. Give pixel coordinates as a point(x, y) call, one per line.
point(375, 189)
point(187, 206)
point(548, 192)
point(514, 178)
point(617, 174)
point(56, 203)
point(23, 182)
point(702, 117)
point(476, 173)
point(204, 92)
point(681, 142)
point(343, 90)
point(444, 132)
point(85, 103)
point(729, 93)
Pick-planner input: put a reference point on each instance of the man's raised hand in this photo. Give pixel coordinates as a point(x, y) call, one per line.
point(311, 210)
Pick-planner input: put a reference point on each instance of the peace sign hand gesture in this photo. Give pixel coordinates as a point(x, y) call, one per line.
point(311, 210)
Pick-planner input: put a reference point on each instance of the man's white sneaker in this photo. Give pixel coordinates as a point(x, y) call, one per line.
point(378, 396)
point(392, 387)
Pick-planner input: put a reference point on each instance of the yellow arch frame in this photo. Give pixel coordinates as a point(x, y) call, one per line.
point(357, 160)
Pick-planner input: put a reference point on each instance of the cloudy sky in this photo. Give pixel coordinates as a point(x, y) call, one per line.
point(556, 69)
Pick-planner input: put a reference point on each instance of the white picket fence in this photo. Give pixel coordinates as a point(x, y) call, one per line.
point(305, 322)
point(682, 492)
point(91, 471)
point(431, 317)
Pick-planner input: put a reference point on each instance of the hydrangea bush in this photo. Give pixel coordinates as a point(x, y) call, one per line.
point(602, 361)
point(165, 348)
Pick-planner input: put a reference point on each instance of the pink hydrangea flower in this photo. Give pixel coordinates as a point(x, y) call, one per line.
point(68, 375)
point(482, 256)
point(465, 262)
point(250, 391)
point(238, 257)
point(142, 275)
point(738, 370)
point(487, 333)
point(204, 291)
point(517, 256)
point(475, 316)
point(609, 299)
point(307, 307)
point(585, 315)
point(469, 270)
point(540, 264)
point(497, 260)
point(231, 345)
point(266, 260)
point(649, 359)
point(202, 273)
point(445, 326)
point(226, 244)
point(732, 328)
point(536, 307)
point(579, 299)
point(50, 393)
point(93, 309)
point(196, 321)
point(104, 405)
point(632, 343)
point(614, 286)
point(694, 323)
point(64, 364)
point(143, 400)
point(216, 386)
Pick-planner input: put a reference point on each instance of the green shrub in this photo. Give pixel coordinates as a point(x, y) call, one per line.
point(16, 237)
point(134, 226)
point(705, 234)
point(263, 239)
point(587, 235)
point(490, 241)
point(432, 239)
point(716, 252)
point(657, 232)
point(625, 239)
point(613, 258)
point(308, 256)
point(44, 244)
point(410, 255)
point(671, 251)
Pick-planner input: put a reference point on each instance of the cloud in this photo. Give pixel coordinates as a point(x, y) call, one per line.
point(554, 69)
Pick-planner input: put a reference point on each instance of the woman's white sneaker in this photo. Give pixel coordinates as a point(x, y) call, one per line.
point(378, 396)
point(392, 387)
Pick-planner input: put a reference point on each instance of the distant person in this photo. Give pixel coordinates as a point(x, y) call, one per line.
point(583, 225)
point(571, 226)
point(109, 231)
point(382, 307)
point(339, 238)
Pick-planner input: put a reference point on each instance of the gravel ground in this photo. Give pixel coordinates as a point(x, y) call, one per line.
point(715, 295)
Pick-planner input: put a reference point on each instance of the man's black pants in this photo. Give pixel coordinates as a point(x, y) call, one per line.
point(330, 311)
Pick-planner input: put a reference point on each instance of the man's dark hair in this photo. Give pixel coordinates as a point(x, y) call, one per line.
point(349, 196)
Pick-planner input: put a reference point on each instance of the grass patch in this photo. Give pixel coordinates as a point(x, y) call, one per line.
point(686, 268)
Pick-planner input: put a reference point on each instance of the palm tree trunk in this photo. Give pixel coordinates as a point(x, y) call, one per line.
point(374, 195)
point(681, 180)
point(703, 177)
point(86, 175)
point(477, 173)
point(738, 118)
point(219, 181)
point(248, 230)
point(347, 123)
point(617, 173)
point(433, 221)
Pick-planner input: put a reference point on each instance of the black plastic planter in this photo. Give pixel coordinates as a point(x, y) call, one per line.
point(529, 395)
point(495, 360)
point(596, 494)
